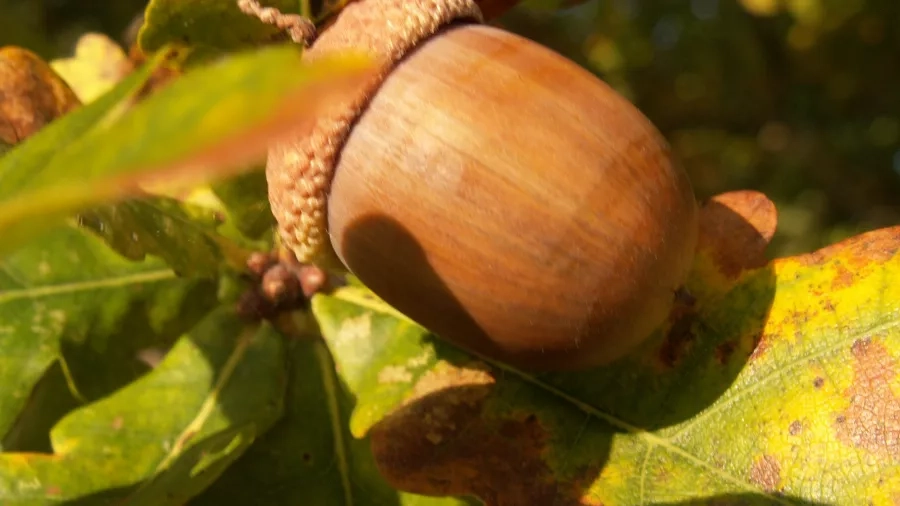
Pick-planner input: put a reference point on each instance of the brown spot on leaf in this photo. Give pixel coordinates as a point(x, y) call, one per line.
point(118, 423)
point(799, 318)
point(818, 382)
point(31, 94)
point(766, 473)
point(762, 346)
point(724, 352)
point(735, 229)
point(442, 442)
point(578, 486)
point(53, 490)
point(676, 344)
point(795, 427)
point(877, 246)
point(843, 278)
point(679, 338)
point(872, 421)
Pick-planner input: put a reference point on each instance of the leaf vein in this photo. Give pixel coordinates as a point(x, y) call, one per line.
point(327, 369)
point(643, 478)
point(83, 286)
point(209, 404)
point(773, 374)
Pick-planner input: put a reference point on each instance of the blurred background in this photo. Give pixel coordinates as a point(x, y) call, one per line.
point(798, 99)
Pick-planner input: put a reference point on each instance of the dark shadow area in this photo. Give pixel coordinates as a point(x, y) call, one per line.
point(665, 381)
point(168, 487)
point(103, 356)
point(247, 402)
point(678, 372)
point(476, 440)
point(101, 352)
point(712, 332)
point(101, 364)
point(445, 443)
point(106, 498)
point(295, 461)
point(50, 400)
point(743, 500)
point(391, 263)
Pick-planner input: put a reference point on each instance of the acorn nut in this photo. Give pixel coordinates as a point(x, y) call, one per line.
point(490, 189)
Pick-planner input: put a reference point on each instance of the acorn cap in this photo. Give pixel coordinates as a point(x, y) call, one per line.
point(299, 172)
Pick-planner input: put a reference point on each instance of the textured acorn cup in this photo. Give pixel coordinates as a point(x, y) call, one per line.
point(512, 203)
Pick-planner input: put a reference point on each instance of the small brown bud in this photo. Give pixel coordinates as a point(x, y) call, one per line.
point(312, 279)
point(254, 306)
point(258, 263)
point(280, 285)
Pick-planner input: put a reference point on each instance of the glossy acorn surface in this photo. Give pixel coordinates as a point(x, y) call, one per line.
point(513, 203)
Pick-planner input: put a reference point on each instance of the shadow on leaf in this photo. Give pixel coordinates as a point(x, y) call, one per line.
point(99, 363)
point(711, 333)
point(308, 456)
point(742, 500)
point(511, 437)
point(179, 483)
point(164, 436)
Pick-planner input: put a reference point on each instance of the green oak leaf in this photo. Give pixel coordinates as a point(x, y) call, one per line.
point(67, 299)
point(187, 252)
point(168, 435)
point(211, 122)
point(51, 399)
point(208, 25)
point(246, 200)
point(163, 227)
point(778, 385)
point(309, 456)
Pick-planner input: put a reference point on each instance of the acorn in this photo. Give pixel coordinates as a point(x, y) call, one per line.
point(490, 189)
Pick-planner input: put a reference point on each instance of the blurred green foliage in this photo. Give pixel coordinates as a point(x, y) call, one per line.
point(795, 98)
